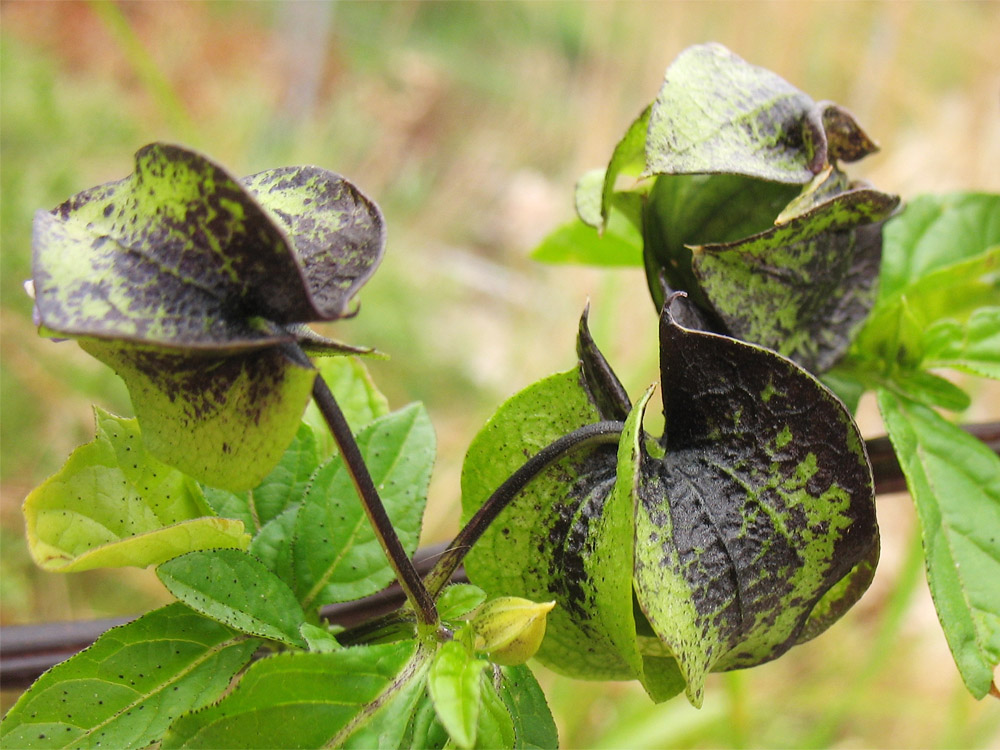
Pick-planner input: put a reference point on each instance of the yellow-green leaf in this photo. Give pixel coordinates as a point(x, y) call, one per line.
point(112, 505)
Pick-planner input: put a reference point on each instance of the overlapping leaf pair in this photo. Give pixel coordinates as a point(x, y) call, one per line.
point(188, 282)
point(748, 527)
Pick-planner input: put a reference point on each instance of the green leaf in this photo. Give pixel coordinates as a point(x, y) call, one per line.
point(127, 688)
point(336, 556)
point(534, 728)
point(279, 490)
point(236, 589)
point(459, 599)
point(195, 411)
point(620, 244)
point(424, 731)
point(320, 639)
point(949, 292)
point(311, 700)
point(804, 287)
point(973, 347)
point(514, 714)
point(496, 726)
point(945, 318)
point(356, 394)
point(930, 389)
point(454, 681)
point(561, 538)
point(112, 504)
point(717, 113)
point(385, 723)
point(762, 503)
point(955, 483)
point(273, 543)
point(936, 231)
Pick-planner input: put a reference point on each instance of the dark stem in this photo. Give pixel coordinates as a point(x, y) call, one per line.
point(28, 650)
point(592, 434)
point(885, 465)
point(413, 587)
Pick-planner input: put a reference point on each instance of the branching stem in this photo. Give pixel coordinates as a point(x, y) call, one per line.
point(592, 434)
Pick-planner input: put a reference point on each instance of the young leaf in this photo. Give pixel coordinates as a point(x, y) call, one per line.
point(336, 556)
point(424, 730)
point(973, 347)
point(112, 504)
point(126, 689)
point(717, 113)
point(236, 589)
point(901, 327)
point(944, 318)
point(455, 681)
point(514, 714)
point(955, 483)
point(804, 287)
point(311, 700)
point(319, 639)
point(935, 231)
point(762, 502)
point(459, 599)
point(930, 389)
point(181, 280)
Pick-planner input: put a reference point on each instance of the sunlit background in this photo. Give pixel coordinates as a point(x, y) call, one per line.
point(469, 124)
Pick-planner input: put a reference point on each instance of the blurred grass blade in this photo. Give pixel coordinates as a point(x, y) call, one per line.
point(147, 70)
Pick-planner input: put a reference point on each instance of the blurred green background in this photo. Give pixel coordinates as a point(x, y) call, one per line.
point(469, 124)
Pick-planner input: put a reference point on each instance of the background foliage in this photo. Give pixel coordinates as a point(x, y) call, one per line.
point(469, 124)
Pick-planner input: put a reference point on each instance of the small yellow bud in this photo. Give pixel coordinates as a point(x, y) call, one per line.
point(510, 629)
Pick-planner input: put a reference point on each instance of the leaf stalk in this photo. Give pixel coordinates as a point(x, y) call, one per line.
point(588, 435)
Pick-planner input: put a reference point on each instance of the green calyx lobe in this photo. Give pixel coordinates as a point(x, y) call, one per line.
point(789, 268)
point(749, 528)
point(761, 503)
point(187, 281)
point(737, 196)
